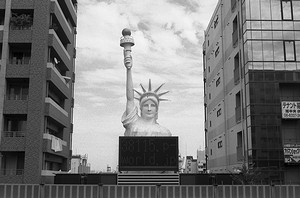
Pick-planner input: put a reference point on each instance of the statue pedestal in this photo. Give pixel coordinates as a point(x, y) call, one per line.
point(148, 160)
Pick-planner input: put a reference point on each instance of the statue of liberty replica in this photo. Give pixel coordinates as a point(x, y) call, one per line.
point(147, 152)
point(145, 123)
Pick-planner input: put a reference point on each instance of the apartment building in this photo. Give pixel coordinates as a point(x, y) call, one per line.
point(252, 88)
point(37, 56)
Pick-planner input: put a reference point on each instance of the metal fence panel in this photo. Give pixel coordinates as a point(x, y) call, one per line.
point(130, 191)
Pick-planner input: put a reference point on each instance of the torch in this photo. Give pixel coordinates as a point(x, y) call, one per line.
point(127, 41)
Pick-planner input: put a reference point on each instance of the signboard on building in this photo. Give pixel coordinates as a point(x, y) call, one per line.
point(148, 153)
point(290, 109)
point(291, 154)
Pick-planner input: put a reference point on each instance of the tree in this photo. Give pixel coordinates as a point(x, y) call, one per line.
point(247, 175)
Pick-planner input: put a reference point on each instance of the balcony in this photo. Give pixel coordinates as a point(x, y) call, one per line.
point(53, 110)
point(61, 82)
point(55, 145)
point(13, 141)
point(70, 13)
point(61, 19)
point(59, 48)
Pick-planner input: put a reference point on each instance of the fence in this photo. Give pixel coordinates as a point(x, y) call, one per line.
point(115, 191)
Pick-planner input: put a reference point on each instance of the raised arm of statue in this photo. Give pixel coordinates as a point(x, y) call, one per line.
point(129, 92)
point(126, 42)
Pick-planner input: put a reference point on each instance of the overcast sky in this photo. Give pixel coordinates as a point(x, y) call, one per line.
point(168, 38)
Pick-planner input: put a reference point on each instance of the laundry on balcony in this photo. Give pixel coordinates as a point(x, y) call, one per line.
point(56, 144)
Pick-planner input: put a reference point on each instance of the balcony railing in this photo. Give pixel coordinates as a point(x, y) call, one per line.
point(64, 79)
point(11, 172)
point(48, 136)
point(50, 101)
point(13, 134)
point(17, 97)
point(25, 60)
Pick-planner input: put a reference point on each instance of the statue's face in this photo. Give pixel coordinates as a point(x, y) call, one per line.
point(149, 110)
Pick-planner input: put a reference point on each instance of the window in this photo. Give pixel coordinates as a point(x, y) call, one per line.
point(0, 51)
point(220, 144)
point(216, 21)
point(21, 19)
point(218, 82)
point(239, 147)
point(217, 51)
point(15, 125)
point(236, 70)
point(239, 139)
point(209, 96)
point(12, 163)
point(289, 50)
point(19, 53)
point(286, 10)
point(238, 109)
point(233, 5)
point(209, 123)
point(235, 36)
point(219, 112)
point(2, 15)
point(17, 89)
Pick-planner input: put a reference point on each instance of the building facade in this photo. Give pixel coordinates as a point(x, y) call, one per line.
point(37, 56)
point(251, 58)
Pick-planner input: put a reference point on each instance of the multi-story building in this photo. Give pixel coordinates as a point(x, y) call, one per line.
point(252, 88)
point(37, 54)
point(79, 164)
point(201, 163)
point(190, 165)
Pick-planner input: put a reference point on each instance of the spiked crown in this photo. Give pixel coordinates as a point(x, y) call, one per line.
point(150, 95)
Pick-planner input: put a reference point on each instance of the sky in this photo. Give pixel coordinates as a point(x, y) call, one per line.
point(168, 37)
